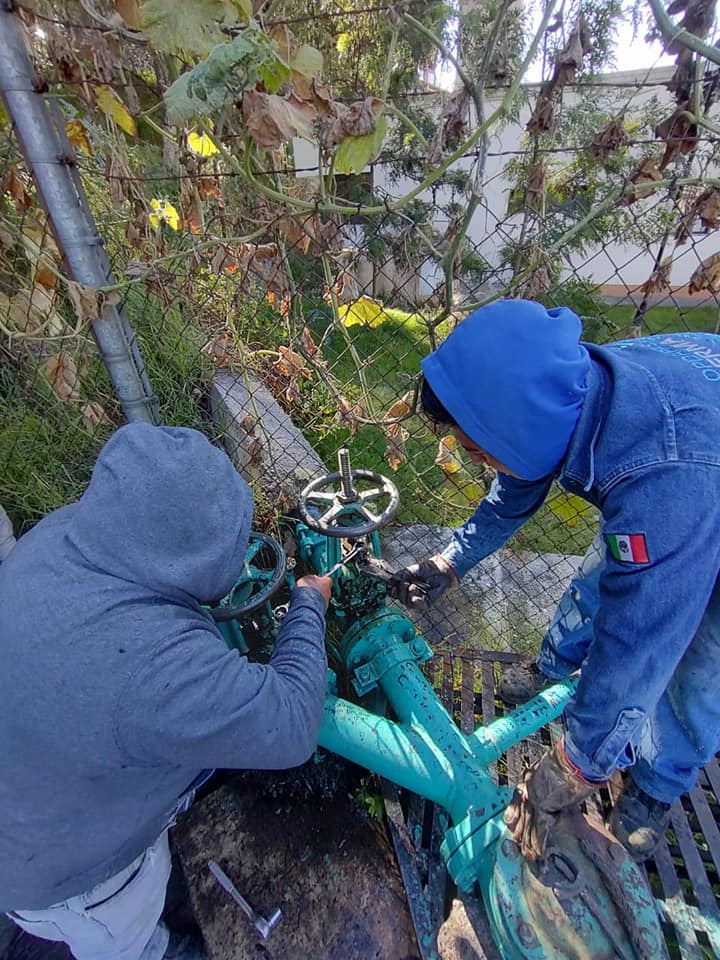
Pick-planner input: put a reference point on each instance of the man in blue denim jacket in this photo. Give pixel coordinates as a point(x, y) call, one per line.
point(633, 428)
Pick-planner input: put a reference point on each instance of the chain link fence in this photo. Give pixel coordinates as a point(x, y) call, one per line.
point(287, 332)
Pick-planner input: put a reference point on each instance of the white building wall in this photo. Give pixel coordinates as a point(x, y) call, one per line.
point(621, 264)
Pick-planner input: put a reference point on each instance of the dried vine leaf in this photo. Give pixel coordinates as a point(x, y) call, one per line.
point(707, 276)
point(118, 176)
point(208, 187)
point(681, 82)
point(291, 365)
point(272, 120)
point(94, 414)
point(452, 126)
point(62, 373)
point(357, 120)
point(348, 414)
point(309, 347)
point(242, 255)
point(192, 215)
point(41, 251)
point(679, 134)
point(643, 177)
point(543, 114)
point(222, 351)
point(294, 232)
point(611, 138)
point(567, 64)
point(708, 208)
point(535, 189)
point(32, 312)
point(570, 59)
point(698, 18)
point(88, 302)
point(448, 457)
point(395, 432)
point(659, 279)
point(345, 288)
point(12, 183)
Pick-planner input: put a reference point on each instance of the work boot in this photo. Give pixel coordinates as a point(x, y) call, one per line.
point(639, 821)
point(520, 682)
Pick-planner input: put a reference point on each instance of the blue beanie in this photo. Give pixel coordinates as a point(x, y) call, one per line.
point(513, 376)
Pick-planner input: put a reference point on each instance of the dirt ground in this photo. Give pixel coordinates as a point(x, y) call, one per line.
point(329, 868)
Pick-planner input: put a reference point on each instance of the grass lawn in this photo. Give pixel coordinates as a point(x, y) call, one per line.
point(391, 350)
point(618, 320)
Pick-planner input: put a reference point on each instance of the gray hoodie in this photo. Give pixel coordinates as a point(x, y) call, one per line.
point(116, 689)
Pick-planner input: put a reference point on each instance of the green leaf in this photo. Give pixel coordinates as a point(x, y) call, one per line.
point(308, 61)
point(220, 80)
point(186, 26)
point(354, 153)
point(274, 73)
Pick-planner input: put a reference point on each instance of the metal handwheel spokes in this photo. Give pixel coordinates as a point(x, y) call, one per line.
point(343, 510)
point(262, 575)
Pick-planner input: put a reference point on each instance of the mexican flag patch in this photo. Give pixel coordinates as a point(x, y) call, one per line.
point(628, 547)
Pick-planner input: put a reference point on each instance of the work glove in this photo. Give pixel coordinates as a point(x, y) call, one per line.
point(551, 786)
point(423, 583)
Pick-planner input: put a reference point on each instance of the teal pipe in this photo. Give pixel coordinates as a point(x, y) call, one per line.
point(384, 747)
point(490, 742)
point(409, 757)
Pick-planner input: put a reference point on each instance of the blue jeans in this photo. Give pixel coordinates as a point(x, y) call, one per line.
point(683, 731)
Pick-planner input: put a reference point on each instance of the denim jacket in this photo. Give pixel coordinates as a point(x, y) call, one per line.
point(646, 453)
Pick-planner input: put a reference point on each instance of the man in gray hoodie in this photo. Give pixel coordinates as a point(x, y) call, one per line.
point(117, 692)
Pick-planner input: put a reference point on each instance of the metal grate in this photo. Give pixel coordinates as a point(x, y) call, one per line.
point(684, 876)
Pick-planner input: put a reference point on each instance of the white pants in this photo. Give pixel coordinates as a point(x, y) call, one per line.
point(116, 920)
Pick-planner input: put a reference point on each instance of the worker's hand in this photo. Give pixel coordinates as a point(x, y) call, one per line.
point(550, 786)
point(322, 584)
point(423, 583)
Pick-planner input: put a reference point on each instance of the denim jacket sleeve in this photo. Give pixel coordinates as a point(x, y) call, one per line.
point(504, 510)
point(649, 611)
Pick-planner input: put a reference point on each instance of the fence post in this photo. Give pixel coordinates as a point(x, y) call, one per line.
point(50, 159)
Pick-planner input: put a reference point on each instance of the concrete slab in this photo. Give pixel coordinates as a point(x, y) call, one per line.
point(260, 438)
point(330, 870)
